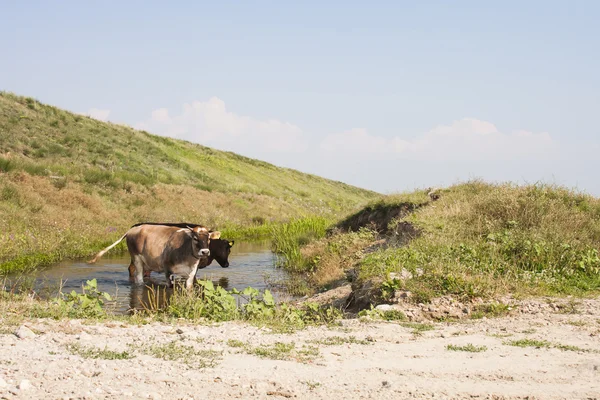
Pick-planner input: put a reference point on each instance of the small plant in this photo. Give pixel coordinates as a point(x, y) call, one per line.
point(490, 310)
point(501, 335)
point(311, 385)
point(529, 343)
point(468, 347)
point(104, 354)
point(338, 340)
point(235, 343)
point(418, 328)
point(256, 307)
point(571, 307)
point(568, 347)
point(89, 303)
point(386, 315)
point(528, 331)
point(174, 351)
point(276, 351)
point(284, 351)
point(389, 287)
point(545, 344)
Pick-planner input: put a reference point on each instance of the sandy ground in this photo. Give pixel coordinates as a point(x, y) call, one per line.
point(389, 361)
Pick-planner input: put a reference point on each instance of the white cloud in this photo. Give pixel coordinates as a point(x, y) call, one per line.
point(360, 141)
point(210, 123)
point(467, 140)
point(464, 140)
point(98, 114)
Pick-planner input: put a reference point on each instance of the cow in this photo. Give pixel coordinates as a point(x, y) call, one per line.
point(219, 248)
point(219, 251)
point(169, 249)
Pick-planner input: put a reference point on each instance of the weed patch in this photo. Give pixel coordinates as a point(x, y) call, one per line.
point(216, 304)
point(95, 353)
point(235, 343)
point(418, 328)
point(471, 348)
point(386, 315)
point(538, 344)
point(188, 355)
point(339, 340)
point(529, 343)
point(493, 310)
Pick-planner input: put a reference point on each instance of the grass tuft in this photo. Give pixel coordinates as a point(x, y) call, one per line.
point(95, 353)
point(471, 348)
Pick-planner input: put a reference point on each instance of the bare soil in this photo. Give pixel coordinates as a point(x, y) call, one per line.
point(364, 359)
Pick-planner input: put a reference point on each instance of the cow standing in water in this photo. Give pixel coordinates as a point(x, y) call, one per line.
point(219, 248)
point(219, 251)
point(170, 249)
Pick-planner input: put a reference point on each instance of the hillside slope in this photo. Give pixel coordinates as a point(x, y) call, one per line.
point(69, 183)
point(471, 240)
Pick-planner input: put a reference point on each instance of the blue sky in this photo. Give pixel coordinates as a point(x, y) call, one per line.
point(386, 95)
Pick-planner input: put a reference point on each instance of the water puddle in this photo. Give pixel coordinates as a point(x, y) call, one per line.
point(250, 264)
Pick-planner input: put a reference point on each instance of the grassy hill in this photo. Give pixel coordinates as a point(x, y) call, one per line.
point(476, 240)
point(69, 184)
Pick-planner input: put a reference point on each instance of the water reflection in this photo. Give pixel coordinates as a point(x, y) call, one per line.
point(250, 263)
point(155, 295)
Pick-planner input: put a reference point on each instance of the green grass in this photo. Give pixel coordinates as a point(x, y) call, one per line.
point(339, 340)
point(490, 310)
point(284, 351)
point(470, 347)
point(95, 353)
point(539, 344)
point(288, 239)
point(235, 343)
point(70, 185)
point(178, 352)
point(482, 240)
point(529, 343)
point(276, 351)
point(386, 315)
point(418, 328)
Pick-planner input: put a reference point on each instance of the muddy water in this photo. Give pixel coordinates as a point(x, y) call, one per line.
point(250, 264)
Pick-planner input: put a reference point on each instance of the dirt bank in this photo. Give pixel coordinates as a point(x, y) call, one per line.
point(55, 359)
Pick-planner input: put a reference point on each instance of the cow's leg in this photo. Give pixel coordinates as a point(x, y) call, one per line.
point(131, 270)
point(189, 283)
point(139, 270)
point(169, 277)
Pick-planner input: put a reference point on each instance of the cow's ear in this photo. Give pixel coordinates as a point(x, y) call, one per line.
point(215, 235)
point(231, 243)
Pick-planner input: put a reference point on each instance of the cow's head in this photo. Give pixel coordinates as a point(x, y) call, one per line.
point(219, 250)
point(200, 241)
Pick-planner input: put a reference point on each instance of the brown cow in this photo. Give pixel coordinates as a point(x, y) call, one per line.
point(219, 248)
point(168, 249)
point(219, 251)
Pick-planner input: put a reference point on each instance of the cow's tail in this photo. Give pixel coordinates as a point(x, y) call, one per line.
point(101, 253)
